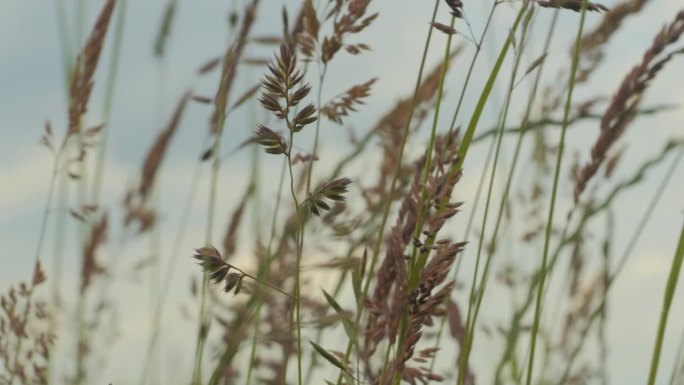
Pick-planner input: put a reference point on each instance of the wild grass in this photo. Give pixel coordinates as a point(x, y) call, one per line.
point(363, 267)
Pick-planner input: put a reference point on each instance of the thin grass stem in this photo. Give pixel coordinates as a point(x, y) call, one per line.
point(670, 288)
point(549, 224)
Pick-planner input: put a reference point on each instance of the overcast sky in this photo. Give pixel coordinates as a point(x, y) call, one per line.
point(32, 91)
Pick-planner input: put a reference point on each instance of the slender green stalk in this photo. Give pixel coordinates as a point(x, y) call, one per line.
point(598, 313)
point(81, 13)
point(438, 104)
point(314, 151)
point(678, 366)
point(269, 259)
point(667, 303)
point(309, 175)
point(110, 88)
point(168, 274)
point(472, 314)
point(549, 223)
point(478, 48)
point(64, 43)
point(648, 212)
point(298, 262)
point(231, 60)
point(484, 96)
point(204, 318)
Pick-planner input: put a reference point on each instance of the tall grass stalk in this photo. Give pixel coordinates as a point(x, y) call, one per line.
point(549, 223)
point(298, 261)
point(388, 331)
point(476, 298)
point(231, 59)
point(670, 288)
point(108, 103)
point(463, 150)
point(263, 272)
point(466, 82)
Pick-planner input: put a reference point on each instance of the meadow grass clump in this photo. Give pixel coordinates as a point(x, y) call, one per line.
point(380, 257)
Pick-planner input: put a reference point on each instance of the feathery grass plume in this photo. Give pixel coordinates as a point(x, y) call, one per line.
point(391, 276)
point(399, 238)
point(390, 300)
point(84, 69)
point(593, 41)
point(135, 201)
point(230, 61)
point(230, 238)
point(90, 267)
point(423, 306)
point(340, 106)
point(158, 149)
point(25, 319)
point(574, 5)
point(622, 108)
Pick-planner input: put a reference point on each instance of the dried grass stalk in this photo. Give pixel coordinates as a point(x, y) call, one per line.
point(84, 69)
point(622, 108)
point(90, 266)
point(230, 239)
point(230, 62)
point(158, 150)
point(593, 41)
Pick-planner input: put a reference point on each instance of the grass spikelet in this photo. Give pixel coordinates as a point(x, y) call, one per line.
point(574, 5)
point(340, 107)
point(273, 142)
point(456, 7)
point(333, 190)
point(219, 271)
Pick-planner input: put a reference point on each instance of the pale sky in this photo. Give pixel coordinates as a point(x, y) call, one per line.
point(32, 91)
